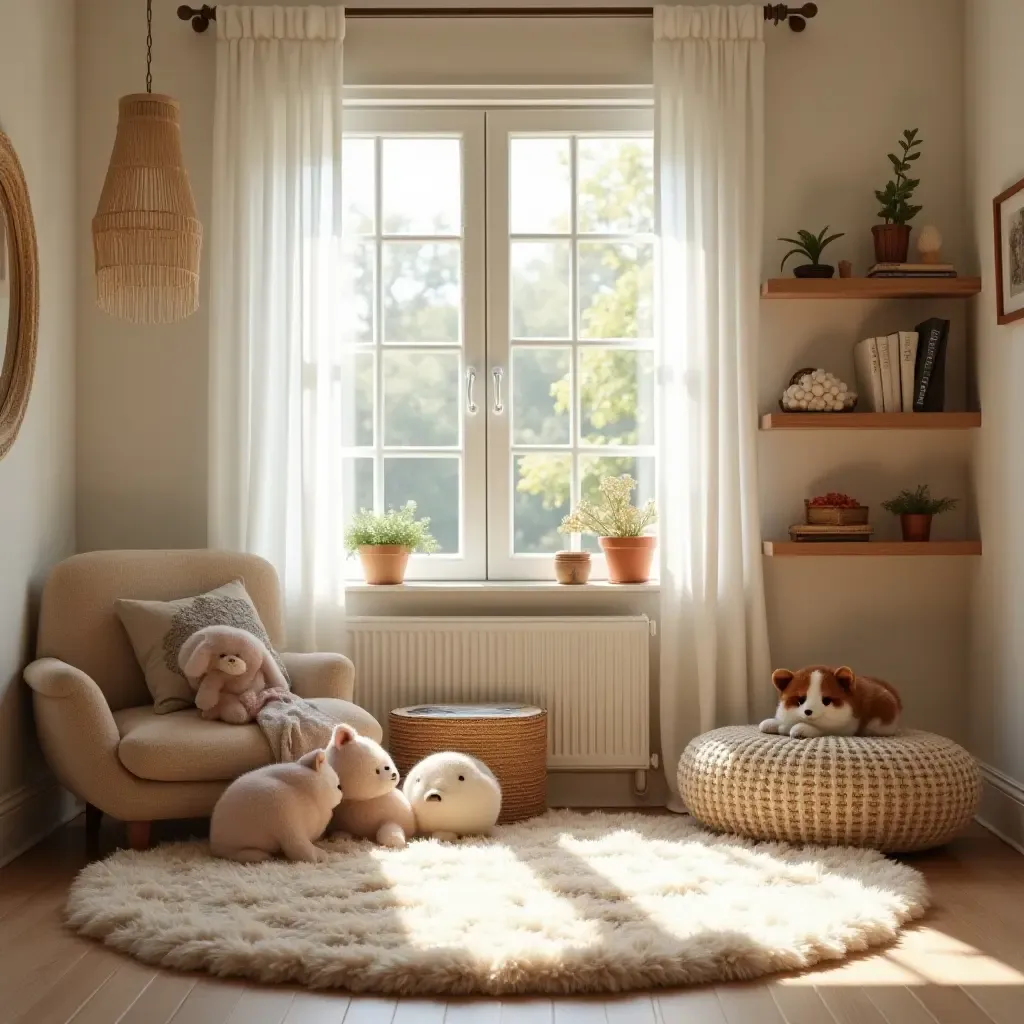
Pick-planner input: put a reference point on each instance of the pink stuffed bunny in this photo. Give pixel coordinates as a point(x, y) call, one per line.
point(230, 670)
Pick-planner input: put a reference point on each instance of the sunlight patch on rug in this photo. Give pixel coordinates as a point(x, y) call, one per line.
point(569, 902)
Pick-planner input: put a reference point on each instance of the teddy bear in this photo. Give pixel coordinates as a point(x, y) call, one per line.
point(231, 671)
point(453, 795)
point(374, 807)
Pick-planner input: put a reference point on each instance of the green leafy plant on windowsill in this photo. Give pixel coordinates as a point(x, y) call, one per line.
point(396, 527)
point(918, 502)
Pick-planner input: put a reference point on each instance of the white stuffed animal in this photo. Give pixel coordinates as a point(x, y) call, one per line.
point(280, 808)
point(374, 807)
point(453, 795)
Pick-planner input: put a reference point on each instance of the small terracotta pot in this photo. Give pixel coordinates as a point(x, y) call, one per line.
point(892, 242)
point(572, 567)
point(629, 558)
point(916, 527)
point(384, 564)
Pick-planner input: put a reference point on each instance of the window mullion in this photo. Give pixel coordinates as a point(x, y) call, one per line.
point(574, 332)
point(378, 329)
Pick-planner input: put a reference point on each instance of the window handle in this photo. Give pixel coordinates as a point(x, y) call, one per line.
point(470, 387)
point(496, 375)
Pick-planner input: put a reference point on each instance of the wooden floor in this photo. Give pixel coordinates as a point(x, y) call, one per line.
point(963, 965)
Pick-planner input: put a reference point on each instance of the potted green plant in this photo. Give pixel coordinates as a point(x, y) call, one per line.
point(385, 541)
point(915, 509)
point(619, 526)
point(811, 246)
point(892, 238)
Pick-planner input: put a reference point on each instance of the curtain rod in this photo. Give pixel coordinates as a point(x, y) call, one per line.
point(795, 17)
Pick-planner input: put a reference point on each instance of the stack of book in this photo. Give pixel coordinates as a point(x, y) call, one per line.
point(905, 371)
point(912, 270)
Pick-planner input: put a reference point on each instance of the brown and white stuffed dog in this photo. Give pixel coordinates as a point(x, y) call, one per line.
point(820, 701)
point(230, 670)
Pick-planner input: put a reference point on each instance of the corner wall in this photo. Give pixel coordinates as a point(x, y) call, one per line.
point(831, 117)
point(994, 687)
point(37, 478)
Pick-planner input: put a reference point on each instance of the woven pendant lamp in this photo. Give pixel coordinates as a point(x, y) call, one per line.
point(146, 235)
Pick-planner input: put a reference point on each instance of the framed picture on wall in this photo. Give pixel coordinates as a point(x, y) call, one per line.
point(4, 284)
point(1008, 214)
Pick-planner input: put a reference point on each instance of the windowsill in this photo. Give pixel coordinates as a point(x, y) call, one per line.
point(503, 587)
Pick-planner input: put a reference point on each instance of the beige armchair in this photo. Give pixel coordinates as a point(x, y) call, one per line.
point(95, 717)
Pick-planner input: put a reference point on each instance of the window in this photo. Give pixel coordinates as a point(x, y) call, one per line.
point(494, 424)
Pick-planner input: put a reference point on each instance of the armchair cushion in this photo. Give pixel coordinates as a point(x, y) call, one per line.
point(185, 748)
point(157, 630)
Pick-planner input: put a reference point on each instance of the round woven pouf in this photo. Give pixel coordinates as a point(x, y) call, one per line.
point(897, 793)
point(511, 739)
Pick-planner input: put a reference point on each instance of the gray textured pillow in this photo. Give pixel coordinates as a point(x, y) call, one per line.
point(157, 629)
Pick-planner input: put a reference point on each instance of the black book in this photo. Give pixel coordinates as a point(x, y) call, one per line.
point(930, 366)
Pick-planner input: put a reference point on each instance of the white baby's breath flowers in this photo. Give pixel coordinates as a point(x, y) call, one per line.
point(615, 516)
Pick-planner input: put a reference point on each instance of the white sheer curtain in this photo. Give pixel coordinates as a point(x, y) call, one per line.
point(709, 127)
point(276, 382)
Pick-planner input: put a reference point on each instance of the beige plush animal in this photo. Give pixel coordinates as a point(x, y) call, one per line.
point(453, 795)
point(280, 808)
point(374, 807)
point(223, 663)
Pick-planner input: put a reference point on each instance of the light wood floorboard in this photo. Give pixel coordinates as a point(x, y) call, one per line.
point(964, 964)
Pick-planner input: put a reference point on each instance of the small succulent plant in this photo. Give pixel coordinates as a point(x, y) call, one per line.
point(809, 245)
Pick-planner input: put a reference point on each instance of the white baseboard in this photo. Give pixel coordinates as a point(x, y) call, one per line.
point(1002, 806)
point(30, 813)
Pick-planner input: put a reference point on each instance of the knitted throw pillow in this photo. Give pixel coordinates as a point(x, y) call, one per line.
point(157, 630)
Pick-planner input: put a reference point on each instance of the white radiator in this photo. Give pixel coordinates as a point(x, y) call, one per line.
point(592, 674)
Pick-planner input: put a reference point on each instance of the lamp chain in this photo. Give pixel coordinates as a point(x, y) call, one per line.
point(149, 45)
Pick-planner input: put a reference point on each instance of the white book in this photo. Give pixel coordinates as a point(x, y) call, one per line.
point(908, 363)
point(888, 395)
point(894, 373)
point(869, 375)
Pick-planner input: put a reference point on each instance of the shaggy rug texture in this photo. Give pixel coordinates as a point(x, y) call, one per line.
point(569, 902)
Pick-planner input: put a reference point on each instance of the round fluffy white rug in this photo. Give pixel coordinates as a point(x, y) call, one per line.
point(569, 902)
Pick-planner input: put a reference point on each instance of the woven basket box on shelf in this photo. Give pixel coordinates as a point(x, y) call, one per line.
point(835, 515)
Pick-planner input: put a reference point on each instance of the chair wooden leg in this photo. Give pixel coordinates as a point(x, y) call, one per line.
point(138, 834)
point(93, 821)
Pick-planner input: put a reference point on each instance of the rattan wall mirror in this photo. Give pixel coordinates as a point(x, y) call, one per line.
point(19, 295)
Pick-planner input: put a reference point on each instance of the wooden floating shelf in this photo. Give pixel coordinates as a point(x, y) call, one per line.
point(871, 288)
point(876, 548)
point(870, 420)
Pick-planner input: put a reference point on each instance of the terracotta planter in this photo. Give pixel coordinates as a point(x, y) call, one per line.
point(916, 527)
point(629, 558)
point(384, 564)
point(572, 567)
point(892, 242)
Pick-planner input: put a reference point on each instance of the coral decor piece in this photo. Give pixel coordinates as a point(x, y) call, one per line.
point(817, 390)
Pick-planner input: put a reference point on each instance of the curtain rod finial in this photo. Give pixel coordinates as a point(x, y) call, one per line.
point(199, 16)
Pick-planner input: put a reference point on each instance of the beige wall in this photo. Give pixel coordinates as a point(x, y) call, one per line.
point(831, 118)
point(37, 476)
point(995, 29)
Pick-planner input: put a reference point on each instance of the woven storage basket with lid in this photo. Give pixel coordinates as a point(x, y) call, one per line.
point(896, 793)
point(511, 739)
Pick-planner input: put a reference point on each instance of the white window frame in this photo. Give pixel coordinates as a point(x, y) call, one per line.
point(469, 126)
point(502, 563)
